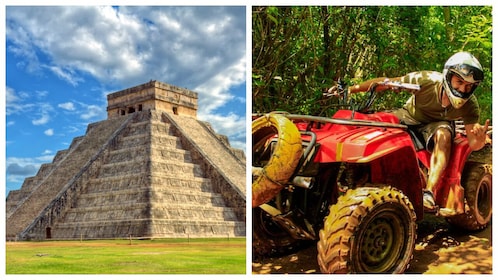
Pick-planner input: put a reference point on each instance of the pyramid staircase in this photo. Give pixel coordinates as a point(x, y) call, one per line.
point(148, 175)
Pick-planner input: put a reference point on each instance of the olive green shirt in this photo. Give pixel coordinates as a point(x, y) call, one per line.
point(425, 105)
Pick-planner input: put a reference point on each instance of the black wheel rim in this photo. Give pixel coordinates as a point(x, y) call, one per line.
point(382, 242)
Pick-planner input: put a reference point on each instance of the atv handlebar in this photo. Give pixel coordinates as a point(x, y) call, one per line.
point(342, 90)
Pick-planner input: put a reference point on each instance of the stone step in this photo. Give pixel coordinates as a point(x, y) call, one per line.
point(144, 139)
point(140, 165)
point(77, 140)
point(180, 228)
point(101, 229)
point(119, 211)
point(132, 141)
point(144, 227)
point(180, 196)
point(144, 126)
point(193, 212)
point(113, 197)
point(161, 128)
point(127, 154)
point(132, 181)
point(30, 183)
point(160, 151)
point(110, 183)
point(13, 199)
point(166, 141)
point(45, 169)
point(136, 128)
point(126, 211)
point(158, 195)
point(137, 166)
point(157, 150)
point(177, 169)
point(173, 182)
point(60, 155)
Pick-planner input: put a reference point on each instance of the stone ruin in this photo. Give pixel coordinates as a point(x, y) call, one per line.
point(151, 170)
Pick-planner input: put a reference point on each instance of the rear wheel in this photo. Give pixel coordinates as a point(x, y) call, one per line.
point(369, 230)
point(477, 182)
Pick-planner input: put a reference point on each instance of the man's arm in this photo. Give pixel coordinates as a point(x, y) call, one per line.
point(476, 135)
point(365, 86)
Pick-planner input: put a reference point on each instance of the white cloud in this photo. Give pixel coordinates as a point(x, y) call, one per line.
point(44, 112)
point(66, 74)
point(184, 46)
point(92, 111)
point(231, 125)
point(14, 102)
point(214, 93)
point(18, 168)
point(67, 106)
point(40, 94)
point(49, 132)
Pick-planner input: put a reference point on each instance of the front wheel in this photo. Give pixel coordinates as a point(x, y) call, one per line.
point(369, 230)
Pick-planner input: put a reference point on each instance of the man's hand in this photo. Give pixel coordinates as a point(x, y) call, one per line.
point(480, 130)
point(335, 90)
point(477, 135)
point(381, 86)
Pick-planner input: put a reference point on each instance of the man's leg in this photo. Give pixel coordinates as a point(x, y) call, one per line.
point(439, 160)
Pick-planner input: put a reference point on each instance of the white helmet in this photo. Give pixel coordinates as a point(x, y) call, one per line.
point(468, 68)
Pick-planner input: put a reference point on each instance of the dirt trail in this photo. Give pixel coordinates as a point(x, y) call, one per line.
point(440, 249)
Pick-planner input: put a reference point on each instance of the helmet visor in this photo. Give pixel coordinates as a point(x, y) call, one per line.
point(467, 72)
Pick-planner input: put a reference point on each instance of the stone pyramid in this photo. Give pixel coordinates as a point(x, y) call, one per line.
point(151, 170)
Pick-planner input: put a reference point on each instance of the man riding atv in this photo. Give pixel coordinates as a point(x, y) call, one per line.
point(357, 182)
point(442, 98)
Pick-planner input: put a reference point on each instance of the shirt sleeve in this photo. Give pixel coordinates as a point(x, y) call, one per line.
point(422, 78)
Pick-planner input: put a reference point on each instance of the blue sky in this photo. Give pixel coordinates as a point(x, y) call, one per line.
point(62, 61)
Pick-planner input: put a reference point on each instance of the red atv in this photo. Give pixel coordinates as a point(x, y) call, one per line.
point(353, 183)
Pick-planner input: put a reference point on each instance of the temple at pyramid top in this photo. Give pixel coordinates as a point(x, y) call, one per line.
point(152, 95)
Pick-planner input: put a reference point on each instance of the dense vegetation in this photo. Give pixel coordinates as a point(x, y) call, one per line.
point(300, 51)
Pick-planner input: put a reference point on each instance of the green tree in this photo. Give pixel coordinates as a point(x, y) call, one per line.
point(300, 51)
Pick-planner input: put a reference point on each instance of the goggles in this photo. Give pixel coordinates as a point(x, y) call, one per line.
point(467, 71)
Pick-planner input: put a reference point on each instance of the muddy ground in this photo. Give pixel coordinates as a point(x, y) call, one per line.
point(440, 249)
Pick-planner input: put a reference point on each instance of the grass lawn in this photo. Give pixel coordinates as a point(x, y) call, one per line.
point(164, 256)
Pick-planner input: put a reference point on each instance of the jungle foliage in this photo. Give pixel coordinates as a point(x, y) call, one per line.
point(298, 52)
